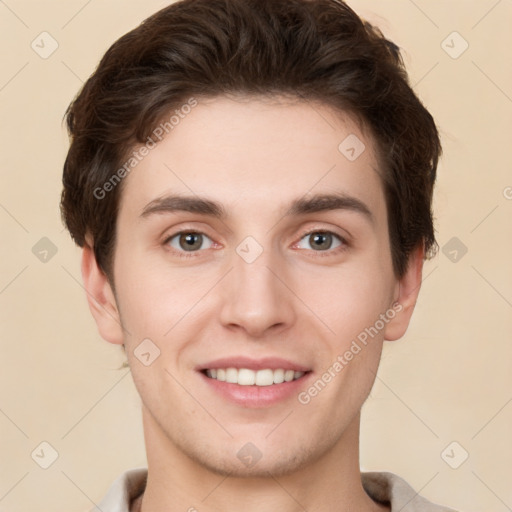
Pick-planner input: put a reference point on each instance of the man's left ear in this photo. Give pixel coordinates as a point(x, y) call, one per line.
point(408, 289)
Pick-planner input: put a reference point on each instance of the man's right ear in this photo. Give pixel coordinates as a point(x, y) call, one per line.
point(100, 297)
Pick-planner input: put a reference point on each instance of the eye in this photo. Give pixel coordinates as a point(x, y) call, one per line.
point(189, 241)
point(321, 241)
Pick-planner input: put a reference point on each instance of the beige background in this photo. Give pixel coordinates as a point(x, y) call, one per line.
point(448, 380)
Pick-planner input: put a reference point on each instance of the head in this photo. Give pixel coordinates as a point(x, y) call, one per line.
point(252, 179)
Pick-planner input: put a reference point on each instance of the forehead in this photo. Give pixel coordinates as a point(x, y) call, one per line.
point(256, 153)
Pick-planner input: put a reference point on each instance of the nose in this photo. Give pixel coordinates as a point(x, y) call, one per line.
point(256, 297)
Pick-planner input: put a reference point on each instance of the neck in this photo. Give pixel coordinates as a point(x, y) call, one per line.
point(331, 482)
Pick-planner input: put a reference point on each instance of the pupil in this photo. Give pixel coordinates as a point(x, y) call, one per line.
point(322, 240)
point(190, 241)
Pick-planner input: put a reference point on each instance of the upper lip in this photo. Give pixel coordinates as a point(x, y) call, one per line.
point(272, 363)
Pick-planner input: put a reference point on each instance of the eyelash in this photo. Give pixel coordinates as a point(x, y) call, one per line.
point(329, 252)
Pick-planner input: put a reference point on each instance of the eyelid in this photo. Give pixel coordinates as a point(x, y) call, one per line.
point(180, 229)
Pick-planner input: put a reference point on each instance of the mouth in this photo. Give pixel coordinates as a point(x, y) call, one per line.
point(254, 383)
point(248, 377)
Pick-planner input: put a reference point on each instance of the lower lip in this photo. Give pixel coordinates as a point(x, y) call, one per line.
point(257, 396)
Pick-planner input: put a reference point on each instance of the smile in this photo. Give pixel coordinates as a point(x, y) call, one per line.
point(247, 377)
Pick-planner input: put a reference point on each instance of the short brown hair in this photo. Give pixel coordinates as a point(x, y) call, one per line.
point(308, 49)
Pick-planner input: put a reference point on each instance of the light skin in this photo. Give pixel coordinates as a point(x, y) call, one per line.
point(304, 299)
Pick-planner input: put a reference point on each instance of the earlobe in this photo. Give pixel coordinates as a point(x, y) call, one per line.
point(408, 289)
point(101, 299)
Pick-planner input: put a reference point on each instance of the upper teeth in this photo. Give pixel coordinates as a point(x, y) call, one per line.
point(246, 377)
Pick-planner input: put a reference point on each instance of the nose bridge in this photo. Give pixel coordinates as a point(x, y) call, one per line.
point(256, 299)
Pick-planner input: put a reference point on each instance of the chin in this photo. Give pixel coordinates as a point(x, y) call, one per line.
point(249, 462)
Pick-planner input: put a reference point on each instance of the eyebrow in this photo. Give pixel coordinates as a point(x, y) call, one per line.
point(313, 204)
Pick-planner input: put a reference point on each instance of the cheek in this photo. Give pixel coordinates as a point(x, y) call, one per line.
point(155, 297)
point(350, 303)
point(347, 299)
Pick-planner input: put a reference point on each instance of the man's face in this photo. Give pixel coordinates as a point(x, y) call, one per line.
point(275, 283)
